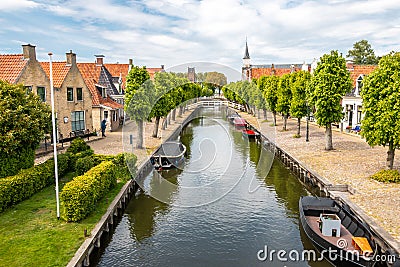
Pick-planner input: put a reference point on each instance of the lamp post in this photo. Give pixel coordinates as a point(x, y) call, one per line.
point(308, 119)
point(53, 120)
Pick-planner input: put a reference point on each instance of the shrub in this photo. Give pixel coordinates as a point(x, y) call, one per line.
point(14, 189)
point(78, 145)
point(11, 164)
point(82, 165)
point(387, 176)
point(79, 196)
point(74, 157)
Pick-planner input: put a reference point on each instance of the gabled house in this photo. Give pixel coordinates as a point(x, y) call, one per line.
point(100, 84)
point(352, 102)
point(72, 100)
point(25, 69)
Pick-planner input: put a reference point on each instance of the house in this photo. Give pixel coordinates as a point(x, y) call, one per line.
point(100, 84)
point(25, 69)
point(250, 71)
point(352, 102)
point(72, 99)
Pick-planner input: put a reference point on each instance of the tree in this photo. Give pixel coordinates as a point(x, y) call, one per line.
point(329, 83)
point(284, 94)
point(363, 54)
point(298, 105)
point(216, 78)
point(24, 120)
point(270, 88)
point(139, 95)
point(380, 91)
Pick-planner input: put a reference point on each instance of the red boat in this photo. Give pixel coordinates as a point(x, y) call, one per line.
point(252, 135)
point(239, 122)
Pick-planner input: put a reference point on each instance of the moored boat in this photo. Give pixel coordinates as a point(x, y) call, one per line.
point(232, 117)
point(250, 134)
point(169, 155)
point(239, 123)
point(338, 234)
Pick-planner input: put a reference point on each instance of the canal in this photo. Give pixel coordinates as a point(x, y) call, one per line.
point(230, 200)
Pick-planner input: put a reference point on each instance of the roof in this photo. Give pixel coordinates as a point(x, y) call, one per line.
point(266, 70)
point(360, 70)
point(118, 70)
point(11, 67)
point(246, 52)
point(60, 71)
point(92, 75)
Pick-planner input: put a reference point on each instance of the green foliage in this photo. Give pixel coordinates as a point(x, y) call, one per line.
point(24, 120)
point(284, 94)
point(387, 176)
point(216, 78)
point(298, 105)
point(80, 196)
point(269, 86)
point(363, 54)
point(330, 82)
point(242, 92)
point(12, 164)
point(14, 189)
point(381, 103)
point(78, 145)
point(84, 164)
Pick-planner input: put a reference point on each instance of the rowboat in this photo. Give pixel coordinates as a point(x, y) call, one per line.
point(250, 134)
point(341, 237)
point(169, 155)
point(239, 123)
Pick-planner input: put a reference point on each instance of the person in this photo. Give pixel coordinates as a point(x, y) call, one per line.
point(103, 128)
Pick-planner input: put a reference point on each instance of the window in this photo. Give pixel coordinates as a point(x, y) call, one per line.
point(78, 120)
point(41, 92)
point(28, 89)
point(70, 94)
point(359, 114)
point(103, 92)
point(359, 84)
point(79, 94)
point(105, 114)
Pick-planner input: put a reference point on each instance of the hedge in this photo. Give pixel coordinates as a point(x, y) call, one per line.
point(14, 189)
point(387, 176)
point(11, 164)
point(80, 196)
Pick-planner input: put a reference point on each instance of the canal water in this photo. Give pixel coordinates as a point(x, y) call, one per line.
point(231, 204)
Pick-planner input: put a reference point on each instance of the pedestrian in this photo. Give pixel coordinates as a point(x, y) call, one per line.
point(103, 128)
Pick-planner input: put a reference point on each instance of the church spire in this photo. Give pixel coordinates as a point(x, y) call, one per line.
point(246, 52)
point(246, 58)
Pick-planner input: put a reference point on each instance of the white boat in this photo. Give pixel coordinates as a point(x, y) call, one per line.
point(169, 155)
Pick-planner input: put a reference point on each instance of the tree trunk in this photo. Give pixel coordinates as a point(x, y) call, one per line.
point(140, 134)
point(168, 119)
point(265, 114)
point(390, 157)
point(258, 114)
point(165, 123)
point(156, 125)
point(328, 137)
point(274, 118)
point(180, 111)
point(285, 121)
point(298, 126)
point(174, 114)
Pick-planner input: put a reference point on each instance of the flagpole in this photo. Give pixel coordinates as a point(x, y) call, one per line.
point(53, 120)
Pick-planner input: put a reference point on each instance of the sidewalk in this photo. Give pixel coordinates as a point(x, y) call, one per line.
point(351, 162)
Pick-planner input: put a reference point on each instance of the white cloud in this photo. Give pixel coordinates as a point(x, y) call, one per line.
point(17, 5)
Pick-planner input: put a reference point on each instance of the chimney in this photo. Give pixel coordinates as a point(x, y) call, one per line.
point(349, 64)
point(99, 60)
point(71, 58)
point(273, 71)
point(29, 51)
point(162, 66)
point(130, 64)
point(292, 68)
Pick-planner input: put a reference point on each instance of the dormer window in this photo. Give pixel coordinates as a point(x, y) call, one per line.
point(359, 84)
point(103, 92)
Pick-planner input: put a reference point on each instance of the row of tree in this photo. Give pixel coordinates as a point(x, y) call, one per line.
point(147, 99)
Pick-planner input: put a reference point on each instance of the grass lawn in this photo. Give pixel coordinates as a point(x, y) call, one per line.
point(31, 235)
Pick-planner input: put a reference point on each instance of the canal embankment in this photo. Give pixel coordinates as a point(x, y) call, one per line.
point(349, 165)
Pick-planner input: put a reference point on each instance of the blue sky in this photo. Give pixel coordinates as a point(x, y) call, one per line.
point(174, 32)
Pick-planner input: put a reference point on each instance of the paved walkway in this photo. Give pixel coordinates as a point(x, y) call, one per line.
point(351, 162)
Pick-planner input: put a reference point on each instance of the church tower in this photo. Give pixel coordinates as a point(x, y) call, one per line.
point(246, 68)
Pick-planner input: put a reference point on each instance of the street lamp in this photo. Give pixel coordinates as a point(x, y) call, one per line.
point(308, 119)
point(53, 120)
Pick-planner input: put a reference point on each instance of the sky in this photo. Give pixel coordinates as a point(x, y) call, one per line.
point(178, 32)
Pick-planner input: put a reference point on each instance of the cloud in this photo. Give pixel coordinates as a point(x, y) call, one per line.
point(17, 5)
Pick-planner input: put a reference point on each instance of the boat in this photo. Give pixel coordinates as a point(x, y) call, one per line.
point(232, 117)
point(169, 155)
point(239, 123)
point(335, 231)
point(250, 134)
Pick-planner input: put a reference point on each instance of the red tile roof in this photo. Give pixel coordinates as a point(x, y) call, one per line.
point(360, 69)
point(118, 70)
point(258, 72)
point(60, 71)
point(11, 67)
point(91, 74)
